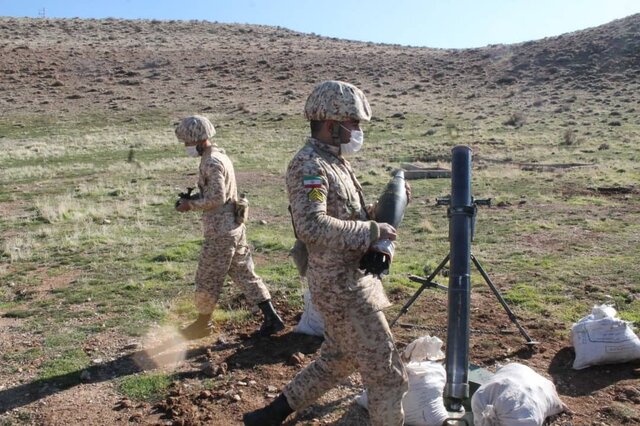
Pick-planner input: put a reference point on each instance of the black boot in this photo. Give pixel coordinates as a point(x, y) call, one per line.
point(198, 329)
point(271, 415)
point(272, 322)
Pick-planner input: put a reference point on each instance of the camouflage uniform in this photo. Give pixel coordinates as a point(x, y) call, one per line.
point(329, 216)
point(225, 250)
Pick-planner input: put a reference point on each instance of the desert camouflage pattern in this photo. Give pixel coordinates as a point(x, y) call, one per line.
point(351, 343)
point(227, 253)
point(218, 191)
point(195, 128)
point(333, 224)
point(225, 250)
point(337, 100)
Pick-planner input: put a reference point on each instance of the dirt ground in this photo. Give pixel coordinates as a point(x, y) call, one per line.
point(64, 67)
point(244, 373)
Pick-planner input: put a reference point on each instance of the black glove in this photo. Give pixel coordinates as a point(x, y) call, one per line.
point(187, 195)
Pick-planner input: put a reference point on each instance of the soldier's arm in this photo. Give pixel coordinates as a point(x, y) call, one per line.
point(212, 195)
point(307, 187)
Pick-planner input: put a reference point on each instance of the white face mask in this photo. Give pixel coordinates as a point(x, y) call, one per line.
point(356, 139)
point(191, 151)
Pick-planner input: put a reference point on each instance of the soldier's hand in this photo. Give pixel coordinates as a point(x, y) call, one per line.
point(183, 205)
point(407, 189)
point(387, 232)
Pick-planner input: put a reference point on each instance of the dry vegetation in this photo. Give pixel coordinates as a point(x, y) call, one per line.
point(93, 256)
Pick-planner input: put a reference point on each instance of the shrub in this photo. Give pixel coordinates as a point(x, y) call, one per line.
point(569, 137)
point(517, 119)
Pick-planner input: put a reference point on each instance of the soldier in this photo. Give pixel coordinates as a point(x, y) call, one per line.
point(225, 250)
point(330, 218)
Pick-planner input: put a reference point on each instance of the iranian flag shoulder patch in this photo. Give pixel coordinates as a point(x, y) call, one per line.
point(311, 182)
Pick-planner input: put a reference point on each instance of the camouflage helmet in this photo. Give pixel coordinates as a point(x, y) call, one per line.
point(195, 128)
point(337, 100)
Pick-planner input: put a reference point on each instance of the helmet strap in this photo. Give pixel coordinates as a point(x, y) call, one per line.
point(200, 148)
point(335, 133)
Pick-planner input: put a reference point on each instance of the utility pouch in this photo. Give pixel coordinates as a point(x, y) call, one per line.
point(300, 257)
point(241, 211)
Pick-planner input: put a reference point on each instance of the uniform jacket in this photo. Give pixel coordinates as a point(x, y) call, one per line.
point(218, 192)
point(328, 211)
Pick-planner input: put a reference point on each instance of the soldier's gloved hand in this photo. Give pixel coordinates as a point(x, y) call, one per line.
point(387, 232)
point(187, 193)
point(378, 257)
point(384, 246)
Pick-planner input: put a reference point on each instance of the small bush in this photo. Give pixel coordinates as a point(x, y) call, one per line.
point(517, 119)
point(569, 137)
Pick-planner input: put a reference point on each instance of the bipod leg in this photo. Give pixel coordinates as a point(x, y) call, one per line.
point(426, 283)
point(503, 302)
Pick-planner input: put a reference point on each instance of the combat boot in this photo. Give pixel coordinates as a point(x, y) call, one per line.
point(271, 415)
point(198, 329)
point(272, 322)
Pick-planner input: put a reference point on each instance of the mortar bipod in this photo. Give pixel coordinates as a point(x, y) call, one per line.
point(429, 283)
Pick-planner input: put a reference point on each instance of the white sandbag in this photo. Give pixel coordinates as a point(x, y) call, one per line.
point(603, 338)
point(311, 321)
point(515, 396)
point(426, 348)
point(423, 404)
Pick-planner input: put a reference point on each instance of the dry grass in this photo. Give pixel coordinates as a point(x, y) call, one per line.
point(90, 168)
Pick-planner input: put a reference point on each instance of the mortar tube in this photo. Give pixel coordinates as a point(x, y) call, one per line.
point(461, 212)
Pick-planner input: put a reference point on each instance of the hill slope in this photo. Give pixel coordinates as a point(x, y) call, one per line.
point(93, 255)
point(60, 65)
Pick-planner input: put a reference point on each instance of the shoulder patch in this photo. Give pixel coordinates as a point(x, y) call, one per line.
point(316, 195)
point(312, 181)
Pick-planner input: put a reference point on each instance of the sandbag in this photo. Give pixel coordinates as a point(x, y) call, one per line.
point(603, 338)
point(425, 348)
point(423, 404)
point(515, 396)
point(311, 321)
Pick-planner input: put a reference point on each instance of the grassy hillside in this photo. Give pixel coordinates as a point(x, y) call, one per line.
point(93, 255)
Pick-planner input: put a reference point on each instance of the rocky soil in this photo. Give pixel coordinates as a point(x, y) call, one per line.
point(69, 67)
